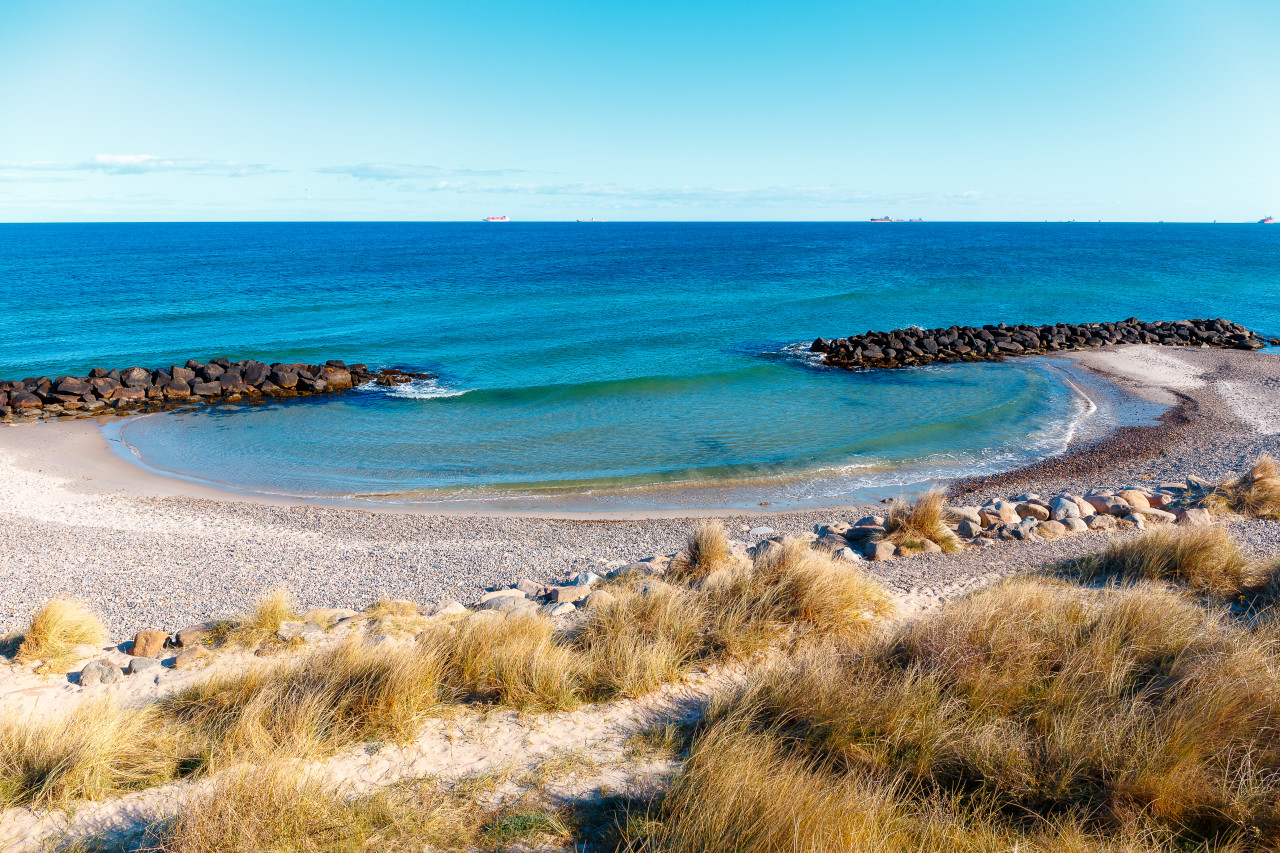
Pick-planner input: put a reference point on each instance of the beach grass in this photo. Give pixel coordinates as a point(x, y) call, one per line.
point(265, 619)
point(706, 550)
point(273, 809)
point(351, 693)
point(1034, 715)
point(55, 632)
point(644, 634)
point(907, 524)
point(1255, 495)
point(1206, 559)
point(96, 750)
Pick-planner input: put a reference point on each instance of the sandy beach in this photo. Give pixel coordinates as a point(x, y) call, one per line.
point(152, 551)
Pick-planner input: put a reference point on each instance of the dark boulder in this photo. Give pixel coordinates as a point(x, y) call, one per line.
point(135, 377)
point(284, 378)
point(71, 385)
point(24, 400)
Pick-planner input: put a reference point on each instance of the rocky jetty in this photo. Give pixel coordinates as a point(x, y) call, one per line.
point(914, 346)
point(138, 390)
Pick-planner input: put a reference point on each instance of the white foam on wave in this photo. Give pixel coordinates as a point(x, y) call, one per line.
point(417, 389)
point(800, 352)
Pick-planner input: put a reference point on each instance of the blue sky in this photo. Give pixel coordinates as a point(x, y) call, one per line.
point(232, 110)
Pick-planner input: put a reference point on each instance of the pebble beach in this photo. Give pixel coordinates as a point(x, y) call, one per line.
point(146, 551)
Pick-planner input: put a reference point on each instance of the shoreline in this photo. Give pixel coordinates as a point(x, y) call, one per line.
point(847, 486)
point(146, 550)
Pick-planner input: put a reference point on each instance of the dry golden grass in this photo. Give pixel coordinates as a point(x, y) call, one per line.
point(95, 751)
point(55, 631)
point(706, 551)
point(1119, 714)
point(351, 693)
point(925, 518)
point(515, 662)
point(265, 618)
point(272, 810)
point(650, 634)
point(1256, 494)
point(1207, 559)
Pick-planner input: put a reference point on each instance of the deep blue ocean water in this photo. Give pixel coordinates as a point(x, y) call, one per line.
point(598, 357)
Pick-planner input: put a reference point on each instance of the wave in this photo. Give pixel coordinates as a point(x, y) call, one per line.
point(417, 389)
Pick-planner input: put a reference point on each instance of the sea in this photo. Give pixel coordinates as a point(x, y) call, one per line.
point(611, 366)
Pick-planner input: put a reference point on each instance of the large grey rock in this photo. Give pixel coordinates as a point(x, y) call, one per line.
point(1063, 507)
point(500, 593)
point(1102, 521)
point(1076, 525)
point(1157, 516)
point(761, 532)
point(1194, 517)
point(510, 604)
point(101, 671)
point(446, 608)
point(1137, 520)
point(969, 529)
point(1033, 510)
point(564, 608)
point(847, 555)
point(569, 593)
point(138, 665)
point(148, 644)
point(965, 513)
point(194, 634)
point(875, 551)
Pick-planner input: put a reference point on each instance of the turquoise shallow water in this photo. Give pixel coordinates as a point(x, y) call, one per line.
point(637, 362)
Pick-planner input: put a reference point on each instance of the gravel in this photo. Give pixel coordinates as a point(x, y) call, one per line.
point(170, 561)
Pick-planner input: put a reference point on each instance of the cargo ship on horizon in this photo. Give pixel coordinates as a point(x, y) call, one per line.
point(495, 219)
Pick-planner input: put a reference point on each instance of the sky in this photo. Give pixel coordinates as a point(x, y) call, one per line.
point(782, 110)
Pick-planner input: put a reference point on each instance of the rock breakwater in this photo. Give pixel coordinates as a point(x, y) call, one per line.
point(913, 347)
point(138, 390)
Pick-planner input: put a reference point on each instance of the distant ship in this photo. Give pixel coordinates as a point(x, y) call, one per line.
point(495, 219)
point(888, 219)
point(591, 220)
point(1267, 220)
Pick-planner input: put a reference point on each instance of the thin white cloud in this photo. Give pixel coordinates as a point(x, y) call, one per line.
point(700, 195)
point(408, 171)
point(142, 164)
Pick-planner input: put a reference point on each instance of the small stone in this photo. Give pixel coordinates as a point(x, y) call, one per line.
point(564, 608)
point(847, 555)
point(101, 671)
point(138, 665)
point(969, 529)
point(1075, 525)
point(965, 513)
point(586, 579)
point(148, 644)
point(870, 521)
point(928, 546)
point(1136, 520)
point(761, 532)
